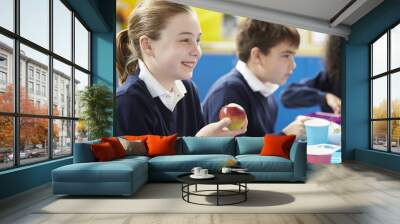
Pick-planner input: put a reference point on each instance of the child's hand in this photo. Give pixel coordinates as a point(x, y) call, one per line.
point(220, 129)
point(296, 127)
point(334, 102)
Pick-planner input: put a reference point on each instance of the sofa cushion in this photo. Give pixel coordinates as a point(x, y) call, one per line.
point(206, 145)
point(257, 163)
point(131, 158)
point(112, 171)
point(249, 145)
point(118, 177)
point(83, 152)
point(185, 163)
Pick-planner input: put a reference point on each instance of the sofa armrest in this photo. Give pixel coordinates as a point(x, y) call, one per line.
point(298, 155)
point(83, 152)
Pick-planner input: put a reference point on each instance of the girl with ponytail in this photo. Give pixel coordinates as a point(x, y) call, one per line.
point(156, 56)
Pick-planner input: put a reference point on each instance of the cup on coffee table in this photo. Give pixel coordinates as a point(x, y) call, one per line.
point(196, 170)
point(203, 172)
point(226, 170)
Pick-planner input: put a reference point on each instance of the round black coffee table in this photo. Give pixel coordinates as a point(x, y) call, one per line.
point(238, 179)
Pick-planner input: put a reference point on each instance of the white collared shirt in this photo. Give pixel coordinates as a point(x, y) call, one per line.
point(168, 98)
point(266, 89)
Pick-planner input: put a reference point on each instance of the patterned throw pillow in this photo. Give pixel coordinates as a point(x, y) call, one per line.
point(134, 147)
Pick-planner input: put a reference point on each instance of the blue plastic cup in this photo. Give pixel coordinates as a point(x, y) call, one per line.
point(317, 131)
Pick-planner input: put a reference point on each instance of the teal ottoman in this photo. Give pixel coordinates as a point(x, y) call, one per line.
point(118, 177)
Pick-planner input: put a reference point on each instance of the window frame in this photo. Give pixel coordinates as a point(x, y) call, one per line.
point(3, 77)
point(5, 58)
point(388, 74)
point(51, 118)
point(3, 71)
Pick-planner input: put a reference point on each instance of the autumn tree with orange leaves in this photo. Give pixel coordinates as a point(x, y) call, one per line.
point(380, 127)
point(33, 131)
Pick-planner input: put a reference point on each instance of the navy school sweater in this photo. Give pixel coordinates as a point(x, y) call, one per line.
point(233, 88)
point(311, 92)
point(138, 113)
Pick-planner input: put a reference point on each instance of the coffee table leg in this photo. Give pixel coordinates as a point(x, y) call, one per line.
point(185, 187)
point(188, 189)
point(196, 188)
point(245, 191)
point(217, 194)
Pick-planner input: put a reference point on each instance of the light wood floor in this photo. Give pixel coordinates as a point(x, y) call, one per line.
point(378, 188)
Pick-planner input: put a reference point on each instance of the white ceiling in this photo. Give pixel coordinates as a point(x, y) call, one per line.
point(324, 16)
point(321, 9)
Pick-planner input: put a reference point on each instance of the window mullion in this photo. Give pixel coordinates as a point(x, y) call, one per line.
point(371, 88)
point(73, 82)
point(16, 83)
point(389, 106)
point(50, 81)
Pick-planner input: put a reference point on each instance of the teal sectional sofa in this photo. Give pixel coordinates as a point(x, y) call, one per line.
point(125, 176)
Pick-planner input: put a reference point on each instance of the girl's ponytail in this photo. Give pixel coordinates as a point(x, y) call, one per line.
point(127, 60)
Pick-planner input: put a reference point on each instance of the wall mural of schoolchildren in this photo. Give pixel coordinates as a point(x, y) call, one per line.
point(177, 77)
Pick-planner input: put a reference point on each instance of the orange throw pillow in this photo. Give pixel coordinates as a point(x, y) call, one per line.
point(103, 151)
point(277, 145)
point(161, 145)
point(116, 145)
point(136, 137)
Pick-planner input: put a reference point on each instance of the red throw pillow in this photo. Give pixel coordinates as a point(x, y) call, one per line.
point(116, 145)
point(161, 145)
point(103, 151)
point(277, 145)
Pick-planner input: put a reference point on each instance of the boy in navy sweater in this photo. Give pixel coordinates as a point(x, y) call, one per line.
point(266, 60)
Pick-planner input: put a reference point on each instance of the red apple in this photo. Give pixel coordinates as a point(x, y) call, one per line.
point(236, 113)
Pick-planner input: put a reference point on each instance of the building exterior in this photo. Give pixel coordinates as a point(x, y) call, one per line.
point(35, 80)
